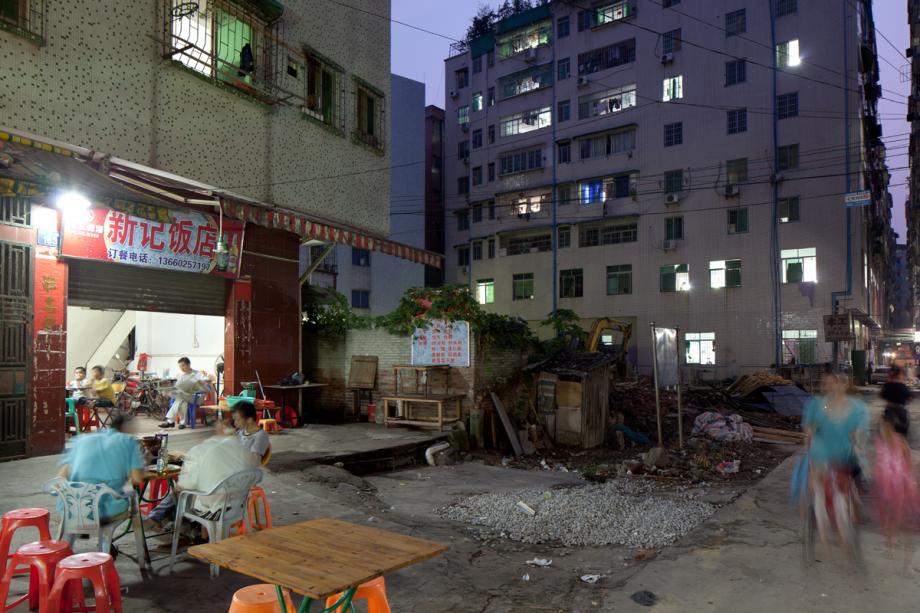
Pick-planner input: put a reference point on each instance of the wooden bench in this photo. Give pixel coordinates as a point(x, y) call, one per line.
point(404, 416)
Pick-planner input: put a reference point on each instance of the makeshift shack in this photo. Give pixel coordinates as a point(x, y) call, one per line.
point(582, 397)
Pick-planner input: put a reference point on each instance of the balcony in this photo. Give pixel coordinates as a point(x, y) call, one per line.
point(24, 18)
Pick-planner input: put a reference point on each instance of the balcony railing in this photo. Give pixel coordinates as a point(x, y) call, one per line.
point(25, 18)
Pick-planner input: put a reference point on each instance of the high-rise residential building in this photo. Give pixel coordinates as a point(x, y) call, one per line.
point(434, 190)
point(913, 117)
point(676, 163)
point(902, 317)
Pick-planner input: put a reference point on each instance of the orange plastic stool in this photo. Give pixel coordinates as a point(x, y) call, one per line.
point(22, 518)
point(259, 598)
point(374, 592)
point(41, 558)
point(256, 521)
point(99, 568)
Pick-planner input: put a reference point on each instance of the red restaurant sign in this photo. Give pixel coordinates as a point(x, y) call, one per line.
point(186, 241)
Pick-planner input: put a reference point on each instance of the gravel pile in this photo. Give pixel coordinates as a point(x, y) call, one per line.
point(619, 512)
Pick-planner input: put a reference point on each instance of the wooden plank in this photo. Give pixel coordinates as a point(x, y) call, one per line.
point(318, 558)
point(568, 394)
point(363, 372)
point(506, 423)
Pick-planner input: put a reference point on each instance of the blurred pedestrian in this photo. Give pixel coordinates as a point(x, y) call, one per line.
point(895, 483)
point(896, 396)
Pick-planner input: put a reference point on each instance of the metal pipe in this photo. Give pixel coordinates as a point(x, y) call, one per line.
point(776, 262)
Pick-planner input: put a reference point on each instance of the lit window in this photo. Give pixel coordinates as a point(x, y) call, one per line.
point(463, 115)
point(673, 88)
point(700, 348)
point(522, 40)
point(675, 278)
point(787, 54)
point(724, 273)
point(788, 209)
point(485, 291)
point(607, 143)
point(528, 121)
point(608, 101)
point(799, 265)
point(477, 102)
point(737, 220)
point(522, 286)
point(614, 11)
point(800, 346)
point(529, 205)
point(592, 192)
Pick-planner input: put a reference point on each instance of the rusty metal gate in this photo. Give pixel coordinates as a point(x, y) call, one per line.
point(15, 343)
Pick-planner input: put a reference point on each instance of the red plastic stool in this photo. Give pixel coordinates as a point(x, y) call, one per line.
point(41, 558)
point(257, 520)
point(156, 490)
point(96, 567)
point(22, 518)
point(259, 598)
point(374, 592)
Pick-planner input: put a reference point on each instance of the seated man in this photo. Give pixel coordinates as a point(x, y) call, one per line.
point(102, 388)
point(188, 384)
point(110, 456)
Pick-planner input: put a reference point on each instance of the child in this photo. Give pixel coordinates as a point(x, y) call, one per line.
point(895, 484)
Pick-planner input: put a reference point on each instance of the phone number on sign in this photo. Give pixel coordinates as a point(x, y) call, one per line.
point(186, 264)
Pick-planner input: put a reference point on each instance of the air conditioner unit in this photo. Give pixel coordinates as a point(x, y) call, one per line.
point(502, 252)
point(530, 55)
point(669, 245)
point(465, 127)
point(583, 81)
point(672, 198)
point(732, 190)
point(454, 93)
point(667, 58)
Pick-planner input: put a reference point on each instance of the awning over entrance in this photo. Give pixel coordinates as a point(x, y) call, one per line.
point(31, 166)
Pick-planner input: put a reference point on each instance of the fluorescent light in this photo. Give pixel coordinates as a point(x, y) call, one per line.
point(73, 201)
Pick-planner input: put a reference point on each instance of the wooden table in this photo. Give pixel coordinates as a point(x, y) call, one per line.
point(284, 389)
point(405, 402)
point(318, 558)
point(418, 370)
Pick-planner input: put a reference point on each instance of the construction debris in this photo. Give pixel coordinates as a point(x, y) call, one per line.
point(724, 428)
point(745, 385)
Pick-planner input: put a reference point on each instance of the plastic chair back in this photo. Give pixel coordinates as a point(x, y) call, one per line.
point(80, 504)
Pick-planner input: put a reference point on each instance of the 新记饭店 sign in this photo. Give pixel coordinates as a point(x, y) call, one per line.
point(187, 241)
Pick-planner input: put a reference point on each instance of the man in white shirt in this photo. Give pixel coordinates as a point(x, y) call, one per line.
point(188, 384)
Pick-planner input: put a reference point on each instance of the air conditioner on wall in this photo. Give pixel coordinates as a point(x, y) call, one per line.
point(667, 58)
point(732, 190)
point(454, 93)
point(669, 245)
point(672, 198)
point(583, 81)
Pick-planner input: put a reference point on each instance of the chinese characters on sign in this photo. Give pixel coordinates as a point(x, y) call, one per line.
point(442, 343)
point(186, 241)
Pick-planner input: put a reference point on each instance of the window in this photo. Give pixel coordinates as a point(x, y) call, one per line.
point(670, 41)
point(477, 250)
point(592, 192)
point(565, 194)
point(673, 181)
point(492, 205)
point(800, 346)
point(360, 299)
point(799, 265)
point(491, 173)
point(521, 161)
point(539, 243)
point(700, 348)
point(606, 57)
point(523, 39)
point(738, 220)
point(360, 257)
point(565, 152)
point(673, 228)
point(491, 248)
point(526, 205)
point(619, 279)
point(606, 102)
point(477, 64)
point(485, 291)
point(562, 27)
point(673, 88)
point(490, 96)
point(564, 237)
point(724, 273)
point(492, 134)
point(564, 69)
point(527, 121)
point(462, 78)
point(593, 236)
point(563, 111)
point(463, 185)
point(735, 23)
point(787, 157)
point(571, 283)
point(675, 278)
point(369, 116)
point(324, 92)
point(522, 286)
point(787, 54)
point(669, 3)
point(463, 256)
point(477, 177)
point(463, 115)
point(788, 209)
point(736, 171)
point(477, 213)
point(613, 11)
point(737, 121)
point(786, 7)
point(477, 102)
point(608, 143)
point(524, 81)
point(787, 105)
point(463, 220)
point(673, 134)
point(26, 16)
point(463, 150)
point(477, 138)
point(490, 58)
point(735, 72)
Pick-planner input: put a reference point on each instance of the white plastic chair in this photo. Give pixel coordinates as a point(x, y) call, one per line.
point(80, 514)
point(230, 498)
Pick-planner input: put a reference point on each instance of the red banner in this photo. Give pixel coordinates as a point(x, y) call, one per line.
point(187, 242)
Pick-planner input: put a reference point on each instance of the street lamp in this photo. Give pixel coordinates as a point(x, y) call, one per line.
point(72, 201)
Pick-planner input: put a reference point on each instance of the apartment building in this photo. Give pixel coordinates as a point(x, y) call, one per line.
point(678, 163)
point(913, 199)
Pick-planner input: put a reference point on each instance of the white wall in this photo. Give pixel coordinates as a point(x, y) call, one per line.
point(166, 337)
point(85, 331)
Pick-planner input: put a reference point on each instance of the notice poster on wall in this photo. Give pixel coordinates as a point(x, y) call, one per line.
point(175, 240)
point(442, 343)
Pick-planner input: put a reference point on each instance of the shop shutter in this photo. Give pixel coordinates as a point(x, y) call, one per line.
point(132, 288)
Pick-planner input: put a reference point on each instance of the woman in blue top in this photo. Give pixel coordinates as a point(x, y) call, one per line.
point(835, 426)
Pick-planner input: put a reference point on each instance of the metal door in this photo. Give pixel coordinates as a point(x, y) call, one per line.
point(15, 344)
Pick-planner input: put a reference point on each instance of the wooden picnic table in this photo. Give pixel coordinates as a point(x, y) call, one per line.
point(318, 558)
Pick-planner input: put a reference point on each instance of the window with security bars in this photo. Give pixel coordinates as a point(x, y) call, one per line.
point(610, 56)
point(323, 83)
point(564, 237)
point(606, 144)
point(787, 54)
point(669, 3)
point(15, 211)
point(619, 279)
point(564, 153)
point(737, 220)
point(593, 236)
point(737, 121)
point(571, 283)
point(673, 181)
point(787, 105)
point(536, 35)
point(735, 23)
point(520, 161)
point(674, 278)
point(369, 116)
point(524, 81)
point(735, 72)
point(525, 121)
point(700, 348)
point(24, 17)
point(477, 250)
point(673, 134)
point(724, 273)
point(800, 346)
point(786, 7)
point(788, 209)
point(670, 41)
point(787, 157)
point(608, 101)
point(673, 228)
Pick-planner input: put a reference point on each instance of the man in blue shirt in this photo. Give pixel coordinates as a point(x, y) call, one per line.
point(110, 456)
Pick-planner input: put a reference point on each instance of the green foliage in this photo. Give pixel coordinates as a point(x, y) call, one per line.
point(568, 331)
point(334, 318)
